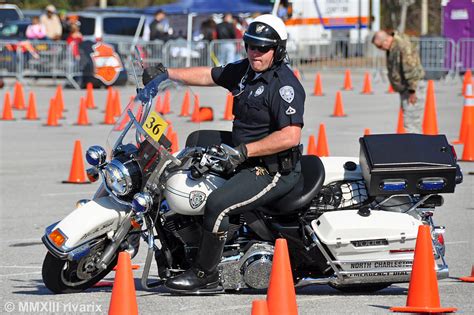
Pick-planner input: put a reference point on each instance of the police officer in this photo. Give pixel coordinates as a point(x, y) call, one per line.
point(268, 110)
point(405, 73)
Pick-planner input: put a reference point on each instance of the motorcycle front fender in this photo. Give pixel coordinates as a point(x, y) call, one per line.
point(97, 217)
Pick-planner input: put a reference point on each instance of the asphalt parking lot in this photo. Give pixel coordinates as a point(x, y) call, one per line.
point(34, 159)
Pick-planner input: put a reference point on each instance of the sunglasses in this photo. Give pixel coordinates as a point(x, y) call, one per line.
point(264, 49)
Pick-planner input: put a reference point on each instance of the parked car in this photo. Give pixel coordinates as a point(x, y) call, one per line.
point(10, 12)
point(14, 30)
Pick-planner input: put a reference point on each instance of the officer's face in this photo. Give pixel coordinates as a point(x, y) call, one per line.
point(260, 60)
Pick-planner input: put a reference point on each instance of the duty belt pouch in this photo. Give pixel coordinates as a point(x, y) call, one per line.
point(283, 162)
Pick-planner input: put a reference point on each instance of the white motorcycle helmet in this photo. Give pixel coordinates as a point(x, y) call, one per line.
point(268, 30)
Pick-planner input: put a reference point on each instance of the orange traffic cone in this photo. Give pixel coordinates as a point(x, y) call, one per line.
point(322, 146)
point(124, 299)
point(77, 174)
point(134, 267)
point(166, 104)
point(423, 295)
point(259, 307)
point(7, 108)
point(338, 107)
point(367, 89)
point(59, 100)
point(311, 145)
point(82, 118)
point(318, 86)
point(109, 118)
point(430, 122)
point(366, 131)
point(467, 80)
point(117, 104)
point(31, 113)
point(297, 74)
point(400, 124)
point(348, 81)
point(18, 96)
point(169, 132)
point(158, 106)
point(468, 152)
point(90, 96)
point(52, 114)
point(229, 104)
point(281, 297)
point(174, 143)
point(110, 97)
point(185, 105)
point(467, 114)
point(470, 278)
point(390, 89)
point(195, 116)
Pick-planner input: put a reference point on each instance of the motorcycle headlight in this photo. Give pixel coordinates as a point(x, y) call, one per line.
point(122, 179)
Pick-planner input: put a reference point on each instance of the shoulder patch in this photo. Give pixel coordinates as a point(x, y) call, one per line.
point(290, 111)
point(287, 93)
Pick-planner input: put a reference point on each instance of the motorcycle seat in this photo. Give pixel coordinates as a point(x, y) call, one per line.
point(308, 186)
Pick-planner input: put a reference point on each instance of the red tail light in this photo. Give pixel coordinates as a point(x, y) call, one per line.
point(440, 239)
point(454, 153)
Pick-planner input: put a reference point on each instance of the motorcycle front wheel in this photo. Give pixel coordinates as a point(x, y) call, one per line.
point(64, 276)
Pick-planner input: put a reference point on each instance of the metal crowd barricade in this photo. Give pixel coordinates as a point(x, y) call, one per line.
point(331, 54)
point(464, 54)
point(177, 53)
point(223, 51)
point(48, 59)
point(437, 55)
point(8, 59)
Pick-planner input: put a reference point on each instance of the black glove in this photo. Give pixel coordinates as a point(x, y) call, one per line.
point(236, 158)
point(152, 72)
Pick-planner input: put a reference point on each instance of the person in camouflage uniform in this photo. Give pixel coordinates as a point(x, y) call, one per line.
point(405, 73)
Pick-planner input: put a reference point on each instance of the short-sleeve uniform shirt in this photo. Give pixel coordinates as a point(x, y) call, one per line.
point(263, 102)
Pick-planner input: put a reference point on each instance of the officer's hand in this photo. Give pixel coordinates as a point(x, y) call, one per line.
point(237, 156)
point(152, 72)
point(412, 98)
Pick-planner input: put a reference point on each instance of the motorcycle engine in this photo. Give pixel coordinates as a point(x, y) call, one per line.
point(252, 270)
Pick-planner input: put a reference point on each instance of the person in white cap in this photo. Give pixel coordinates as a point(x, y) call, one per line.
point(52, 23)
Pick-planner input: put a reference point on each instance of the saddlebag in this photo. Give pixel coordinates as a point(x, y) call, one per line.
point(407, 164)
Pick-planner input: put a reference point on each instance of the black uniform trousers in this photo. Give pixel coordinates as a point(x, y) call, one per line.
point(249, 188)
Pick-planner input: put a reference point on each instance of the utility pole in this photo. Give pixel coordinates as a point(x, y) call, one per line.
point(424, 17)
point(403, 16)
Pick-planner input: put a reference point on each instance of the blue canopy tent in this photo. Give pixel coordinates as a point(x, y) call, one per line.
point(196, 7)
point(211, 6)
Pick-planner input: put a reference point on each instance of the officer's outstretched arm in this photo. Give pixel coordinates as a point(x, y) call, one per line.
point(200, 76)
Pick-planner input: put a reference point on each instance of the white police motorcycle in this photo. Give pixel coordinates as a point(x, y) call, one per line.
point(350, 222)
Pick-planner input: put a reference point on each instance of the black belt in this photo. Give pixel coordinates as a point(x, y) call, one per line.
point(282, 162)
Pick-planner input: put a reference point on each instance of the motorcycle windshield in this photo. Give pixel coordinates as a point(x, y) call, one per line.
point(121, 132)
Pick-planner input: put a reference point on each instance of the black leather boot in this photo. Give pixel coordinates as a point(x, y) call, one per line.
point(203, 277)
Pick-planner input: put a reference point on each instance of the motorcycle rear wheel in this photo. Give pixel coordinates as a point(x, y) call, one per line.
point(360, 288)
point(60, 276)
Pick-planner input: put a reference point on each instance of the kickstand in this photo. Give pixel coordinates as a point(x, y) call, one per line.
point(146, 272)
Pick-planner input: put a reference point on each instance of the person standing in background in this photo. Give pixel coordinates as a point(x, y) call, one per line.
point(52, 23)
point(226, 31)
point(160, 27)
point(406, 74)
point(35, 30)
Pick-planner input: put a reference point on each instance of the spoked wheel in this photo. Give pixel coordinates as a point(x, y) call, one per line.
point(64, 276)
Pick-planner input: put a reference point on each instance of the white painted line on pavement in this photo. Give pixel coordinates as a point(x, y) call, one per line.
point(21, 274)
point(22, 267)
